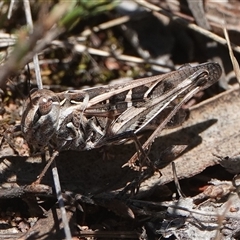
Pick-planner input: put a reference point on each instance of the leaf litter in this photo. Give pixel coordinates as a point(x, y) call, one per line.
point(204, 149)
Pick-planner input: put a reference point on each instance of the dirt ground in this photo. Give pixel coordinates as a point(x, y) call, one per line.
point(192, 190)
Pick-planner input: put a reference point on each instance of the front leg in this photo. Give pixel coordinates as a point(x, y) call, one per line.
point(70, 133)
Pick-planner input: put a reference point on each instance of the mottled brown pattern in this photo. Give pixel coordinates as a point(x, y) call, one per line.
point(86, 119)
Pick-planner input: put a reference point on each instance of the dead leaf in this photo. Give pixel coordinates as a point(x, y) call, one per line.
point(211, 128)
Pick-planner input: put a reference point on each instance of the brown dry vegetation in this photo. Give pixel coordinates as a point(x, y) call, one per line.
point(88, 43)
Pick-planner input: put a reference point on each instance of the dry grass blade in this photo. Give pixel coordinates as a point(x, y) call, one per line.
point(35, 57)
point(58, 190)
point(231, 54)
point(176, 181)
point(106, 25)
point(94, 49)
point(10, 9)
point(57, 184)
point(80, 48)
point(26, 47)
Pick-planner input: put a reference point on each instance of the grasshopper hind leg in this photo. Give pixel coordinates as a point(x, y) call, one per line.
point(121, 138)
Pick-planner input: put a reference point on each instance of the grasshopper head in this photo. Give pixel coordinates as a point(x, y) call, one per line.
point(40, 117)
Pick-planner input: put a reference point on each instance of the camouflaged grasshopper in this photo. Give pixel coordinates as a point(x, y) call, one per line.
point(94, 117)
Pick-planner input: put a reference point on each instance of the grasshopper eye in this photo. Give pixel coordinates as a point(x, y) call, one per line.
point(45, 105)
point(202, 78)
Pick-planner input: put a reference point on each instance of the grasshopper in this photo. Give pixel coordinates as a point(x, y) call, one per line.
point(95, 117)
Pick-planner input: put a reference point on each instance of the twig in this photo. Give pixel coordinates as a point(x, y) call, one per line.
point(175, 205)
point(42, 174)
point(177, 184)
point(106, 25)
point(159, 11)
point(80, 48)
point(109, 234)
point(19, 191)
